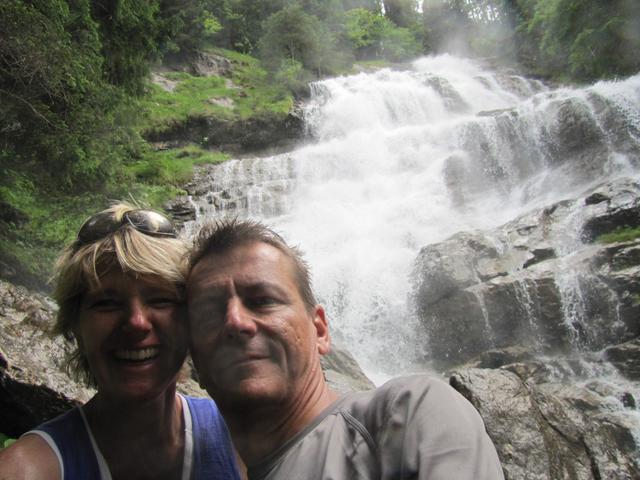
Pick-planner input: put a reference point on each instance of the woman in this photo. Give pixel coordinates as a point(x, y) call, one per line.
point(120, 287)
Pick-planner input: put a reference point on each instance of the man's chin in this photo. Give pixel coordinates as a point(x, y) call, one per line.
point(244, 395)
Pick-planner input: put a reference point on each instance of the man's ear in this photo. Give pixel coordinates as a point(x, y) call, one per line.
point(323, 340)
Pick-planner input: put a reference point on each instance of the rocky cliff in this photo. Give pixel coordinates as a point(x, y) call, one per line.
point(541, 333)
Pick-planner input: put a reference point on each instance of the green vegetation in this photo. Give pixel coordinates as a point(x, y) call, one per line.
point(5, 441)
point(375, 36)
point(246, 93)
point(580, 39)
point(150, 180)
point(171, 167)
point(622, 234)
point(571, 40)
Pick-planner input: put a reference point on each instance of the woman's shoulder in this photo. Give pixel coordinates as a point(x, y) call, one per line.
point(204, 404)
point(30, 457)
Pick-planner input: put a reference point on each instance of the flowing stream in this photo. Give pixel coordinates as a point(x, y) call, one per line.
point(396, 160)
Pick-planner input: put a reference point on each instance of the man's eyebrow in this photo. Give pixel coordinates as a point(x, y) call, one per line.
point(246, 287)
point(257, 287)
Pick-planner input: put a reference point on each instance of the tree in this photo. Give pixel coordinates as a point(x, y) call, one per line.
point(374, 36)
point(372, 5)
point(447, 26)
point(587, 38)
point(52, 94)
point(292, 35)
point(186, 27)
point(60, 97)
point(364, 29)
point(129, 34)
point(403, 13)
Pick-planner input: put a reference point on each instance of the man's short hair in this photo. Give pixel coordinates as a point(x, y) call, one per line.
point(223, 235)
point(80, 267)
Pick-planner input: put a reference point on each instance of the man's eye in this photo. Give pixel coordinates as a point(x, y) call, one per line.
point(257, 302)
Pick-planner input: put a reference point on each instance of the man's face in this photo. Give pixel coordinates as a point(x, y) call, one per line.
point(252, 338)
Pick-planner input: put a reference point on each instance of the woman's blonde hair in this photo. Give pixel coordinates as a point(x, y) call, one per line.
point(80, 267)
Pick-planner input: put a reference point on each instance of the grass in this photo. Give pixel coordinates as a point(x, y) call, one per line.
point(52, 219)
point(369, 65)
point(49, 223)
point(5, 441)
point(172, 167)
point(142, 175)
point(157, 177)
point(247, 93)
point(622, 234)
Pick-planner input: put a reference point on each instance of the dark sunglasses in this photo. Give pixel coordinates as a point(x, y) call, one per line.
point(102, 224)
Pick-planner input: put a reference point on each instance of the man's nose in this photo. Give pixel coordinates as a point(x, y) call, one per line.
point(137, 316)
point(238, 319)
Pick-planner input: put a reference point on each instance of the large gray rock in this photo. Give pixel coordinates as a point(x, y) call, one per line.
point(526, 284)
point(33, 384)
point(626, 358)
point(551, 430)
point(342, 372)
point(546, 320)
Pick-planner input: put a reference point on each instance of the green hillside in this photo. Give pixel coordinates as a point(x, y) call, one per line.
point(41, 217)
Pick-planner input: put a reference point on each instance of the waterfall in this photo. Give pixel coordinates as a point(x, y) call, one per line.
point(397, 160)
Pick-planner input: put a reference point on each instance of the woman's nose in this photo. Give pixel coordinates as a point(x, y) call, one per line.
point(137, 316)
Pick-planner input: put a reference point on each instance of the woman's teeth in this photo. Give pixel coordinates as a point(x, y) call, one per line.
point(137, 355)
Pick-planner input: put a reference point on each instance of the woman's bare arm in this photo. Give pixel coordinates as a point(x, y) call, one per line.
point(30, 458)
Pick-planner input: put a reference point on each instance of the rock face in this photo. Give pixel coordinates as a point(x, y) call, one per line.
point(342, 372)
point(253, 134)
point(626, 358)
point(524, 284)
point(537, 325)
point(548, 430)
point(34, 385)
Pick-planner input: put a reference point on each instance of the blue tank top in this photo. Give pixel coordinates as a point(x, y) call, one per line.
point(212, 455)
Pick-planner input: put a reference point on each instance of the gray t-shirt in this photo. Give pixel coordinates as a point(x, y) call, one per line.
point(415, 427)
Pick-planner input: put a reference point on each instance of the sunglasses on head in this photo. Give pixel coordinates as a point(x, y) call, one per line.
point(102, 224)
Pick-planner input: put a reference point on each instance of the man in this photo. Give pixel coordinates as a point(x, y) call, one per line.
point(257, 335)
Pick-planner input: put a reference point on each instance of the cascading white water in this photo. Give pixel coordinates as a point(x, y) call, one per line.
point(403, 159)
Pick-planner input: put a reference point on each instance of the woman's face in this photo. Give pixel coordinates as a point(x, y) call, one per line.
point(133, 333)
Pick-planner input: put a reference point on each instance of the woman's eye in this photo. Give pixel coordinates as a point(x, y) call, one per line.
point(163, 302)
point(105, 304)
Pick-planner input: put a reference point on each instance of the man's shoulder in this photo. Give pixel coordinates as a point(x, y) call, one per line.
point(417, 396)
point(403, 387)
point(418, 382)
